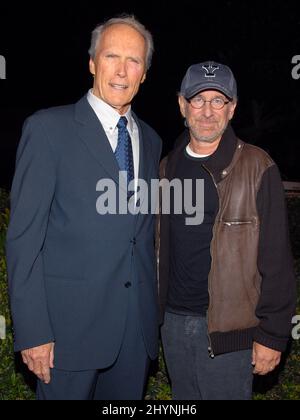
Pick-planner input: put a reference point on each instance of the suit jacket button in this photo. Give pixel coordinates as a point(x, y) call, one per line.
point(127, 285)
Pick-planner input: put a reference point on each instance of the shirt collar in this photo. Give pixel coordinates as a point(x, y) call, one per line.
point(107, 115)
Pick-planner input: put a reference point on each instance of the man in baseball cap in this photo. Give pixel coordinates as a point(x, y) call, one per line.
point(227, 286)
point(207, 100)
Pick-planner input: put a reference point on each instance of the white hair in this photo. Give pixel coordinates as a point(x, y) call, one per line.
point(125, 20)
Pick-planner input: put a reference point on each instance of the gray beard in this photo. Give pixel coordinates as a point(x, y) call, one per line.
point(207, 139)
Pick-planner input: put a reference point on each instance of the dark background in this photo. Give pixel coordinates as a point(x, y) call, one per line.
point(45, 46)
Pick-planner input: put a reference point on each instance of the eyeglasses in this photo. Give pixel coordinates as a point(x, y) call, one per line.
point(217, 103)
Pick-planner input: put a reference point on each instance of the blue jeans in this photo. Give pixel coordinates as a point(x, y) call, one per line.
point(196, 376)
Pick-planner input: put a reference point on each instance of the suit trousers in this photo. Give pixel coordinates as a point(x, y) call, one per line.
point(124, 380)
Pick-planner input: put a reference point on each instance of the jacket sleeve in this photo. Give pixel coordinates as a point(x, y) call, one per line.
point(31, 197)
point(277, 303)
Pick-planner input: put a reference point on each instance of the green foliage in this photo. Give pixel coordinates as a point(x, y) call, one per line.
point(12, 384)
point(158, 385)
point(285, 386)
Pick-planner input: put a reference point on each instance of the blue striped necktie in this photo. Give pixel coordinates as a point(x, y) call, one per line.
point(123, 152)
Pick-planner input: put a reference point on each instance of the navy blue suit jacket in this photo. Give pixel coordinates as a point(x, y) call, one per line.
point(68, 265)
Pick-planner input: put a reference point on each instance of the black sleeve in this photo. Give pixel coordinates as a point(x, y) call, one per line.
point(277, 303)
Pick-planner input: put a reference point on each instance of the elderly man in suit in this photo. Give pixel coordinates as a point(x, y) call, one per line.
point(83, 284)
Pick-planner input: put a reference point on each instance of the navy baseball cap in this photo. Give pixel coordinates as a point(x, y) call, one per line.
point(208, 76)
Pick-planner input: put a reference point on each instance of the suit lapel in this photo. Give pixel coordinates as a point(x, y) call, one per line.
point(142, 168)
point(145, 158)
point(93, 135)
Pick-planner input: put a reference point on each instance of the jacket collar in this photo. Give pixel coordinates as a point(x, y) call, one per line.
point(220, 160)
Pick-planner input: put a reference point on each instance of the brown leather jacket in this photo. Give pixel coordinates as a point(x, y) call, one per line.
point(234, 282)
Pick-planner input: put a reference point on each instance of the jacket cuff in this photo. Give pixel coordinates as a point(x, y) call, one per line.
point(274, 343)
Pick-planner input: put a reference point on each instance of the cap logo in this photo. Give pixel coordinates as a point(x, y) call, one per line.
point(210, 70)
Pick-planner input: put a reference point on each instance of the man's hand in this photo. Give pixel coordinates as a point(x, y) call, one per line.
point(39, 360)
point(264, 359)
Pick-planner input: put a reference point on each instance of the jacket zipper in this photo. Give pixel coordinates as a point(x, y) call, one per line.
point(237, 223)
point(210, 347)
